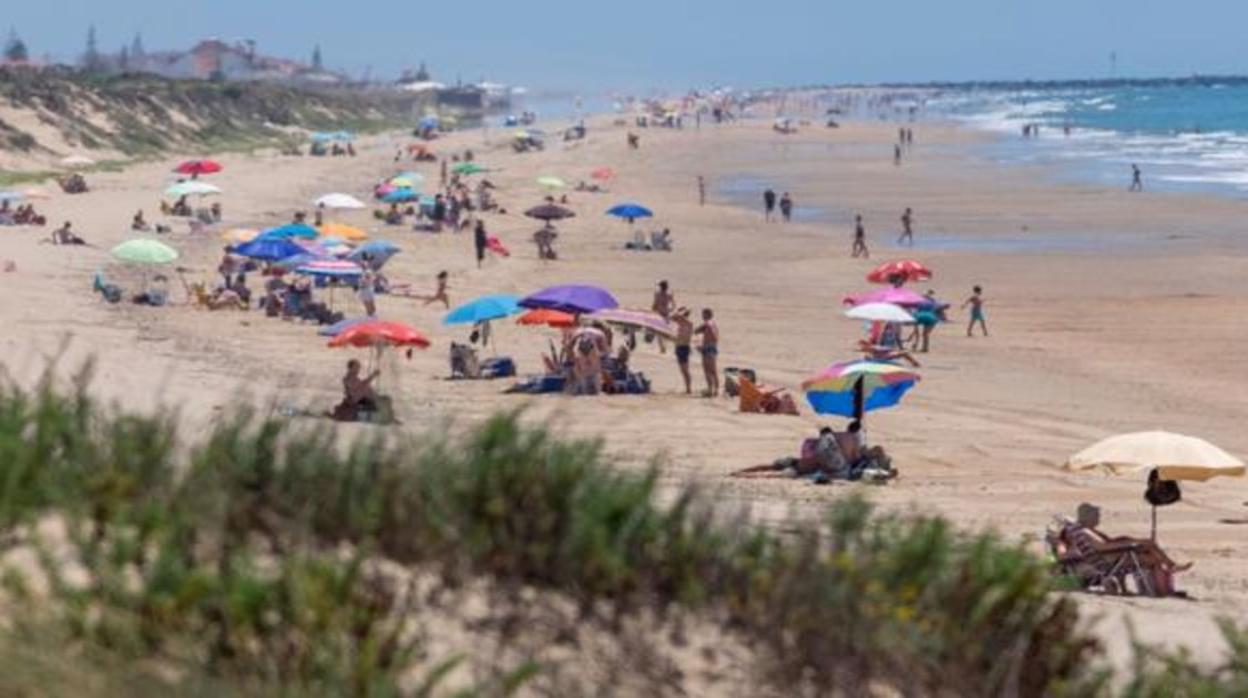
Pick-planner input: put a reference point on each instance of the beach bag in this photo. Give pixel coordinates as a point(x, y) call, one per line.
point(1160, 492)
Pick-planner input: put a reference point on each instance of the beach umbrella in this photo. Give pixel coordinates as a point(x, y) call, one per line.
point(468, 168)
point(603, 174)
point(852, 388)
point(379, 333)
point(636, 319)
point(430, 121)
point(238, 236)
point(906, 270)
point(571, 298)
point(269, 250)
point(1172, 456)
point(342, 326)
point(405, 182)
point(549, 212)
point(77, 161)
point(483, 309)
point(145, 251)
point(897, 296)
point(343, 232)
point(339, 201)
point(192, 188)
point(330, 268)
point(412, 177)
point(376, 248)
point(399, 196)
point(543, 316)
point(289, 231)
point(630, 211)
point(879, 312)
point(198, 167)
point(550, 182)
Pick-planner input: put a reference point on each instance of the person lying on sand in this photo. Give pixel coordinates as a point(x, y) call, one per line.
point(821, 454)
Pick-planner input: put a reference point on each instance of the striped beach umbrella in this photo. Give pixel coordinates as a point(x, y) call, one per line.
point(852, 388)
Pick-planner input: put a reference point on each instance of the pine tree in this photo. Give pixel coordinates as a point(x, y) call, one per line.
point(15, 49)
point(316, 58)
point(91, 57)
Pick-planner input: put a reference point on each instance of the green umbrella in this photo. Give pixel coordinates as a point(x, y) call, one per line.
point(467, 168)
point(551, 182)
point(142, 251)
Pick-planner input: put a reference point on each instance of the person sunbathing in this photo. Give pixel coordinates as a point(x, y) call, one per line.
point(876, 352)
point(1080, 536)
point(137, 223)
point(357, 394)
point(820, 456)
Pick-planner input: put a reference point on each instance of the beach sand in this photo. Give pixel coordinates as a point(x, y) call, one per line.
point(1109, 312)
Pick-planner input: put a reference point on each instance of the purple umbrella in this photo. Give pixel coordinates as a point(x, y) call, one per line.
point(572, 298)
point(897, 296)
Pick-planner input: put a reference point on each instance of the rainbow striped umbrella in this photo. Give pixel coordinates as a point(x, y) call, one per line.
point(852, 388)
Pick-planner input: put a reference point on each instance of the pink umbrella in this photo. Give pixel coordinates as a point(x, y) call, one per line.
point(897, 296)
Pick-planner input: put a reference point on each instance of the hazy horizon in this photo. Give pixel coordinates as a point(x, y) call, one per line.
point(649, 44)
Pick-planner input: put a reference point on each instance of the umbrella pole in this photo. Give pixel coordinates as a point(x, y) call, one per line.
point(859, 401)
point(1154, 533)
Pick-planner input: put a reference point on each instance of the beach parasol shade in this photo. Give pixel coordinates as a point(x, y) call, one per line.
point(144, 251)
point(238, 236)
point(542, 316)
point(549, 212)
point(879, 312)
point(1175, 456)
point(271, 250)
point(331, 268)
point(637, 319)
point(289, 231)
point(379, 333)
point(77, 161)
point(550, 182)
point(342, 326)
point(192, 188)
point(630, 211)
point(852, 388)
point(342, 231)
point(468, 168)
point(905, 269)
point(198, 167)
point(897, 296)
point(483, 309)
point(603, 174)
point(339, 201)
point(571, 298)
point(411, 177)
point(399, 196)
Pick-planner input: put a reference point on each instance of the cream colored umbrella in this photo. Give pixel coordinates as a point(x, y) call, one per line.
point(1175, 456)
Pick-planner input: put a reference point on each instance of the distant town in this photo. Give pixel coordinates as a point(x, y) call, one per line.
point(241, 60)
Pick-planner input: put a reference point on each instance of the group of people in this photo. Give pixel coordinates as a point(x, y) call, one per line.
point(664, 305)
point(24, 214)
point(828, 456)
point(770, 202)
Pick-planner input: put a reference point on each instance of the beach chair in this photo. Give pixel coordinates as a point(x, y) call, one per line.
point(756, 399)
point(1095, 565)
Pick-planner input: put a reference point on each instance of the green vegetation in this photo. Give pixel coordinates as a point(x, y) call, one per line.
point(267, 559)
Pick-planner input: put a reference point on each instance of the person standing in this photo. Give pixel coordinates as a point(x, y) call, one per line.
point(786, 207)
point(860, 239)
point(976, 302)
point(663, 305)
point(684, 342)
point(438, 214)
point(701, 190)
point(907, 229)
point(1137, 182)
point(480, 240)
point(709, 349)
point(769, 203)
point(368, 291)
point(897, 155)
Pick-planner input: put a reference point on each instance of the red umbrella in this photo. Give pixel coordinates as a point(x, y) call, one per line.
point(198, 167)
point(379, 333)
point(906, 270)
point(603, 174)
point(545, 316)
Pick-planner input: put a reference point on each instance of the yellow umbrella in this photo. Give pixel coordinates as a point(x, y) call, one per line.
point(343, 231)
point(239, 235)
point(1175, 456)
point(402, 183)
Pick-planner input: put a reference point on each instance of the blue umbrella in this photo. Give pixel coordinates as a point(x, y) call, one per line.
point(430, 122)
point(483, 309)
point(630, 211)
point(575, 299)
point(288, 231)
point(374, 249)
point(399, 196)
point(269, 250)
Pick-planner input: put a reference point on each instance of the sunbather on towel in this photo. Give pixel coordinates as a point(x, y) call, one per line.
point(820, 456)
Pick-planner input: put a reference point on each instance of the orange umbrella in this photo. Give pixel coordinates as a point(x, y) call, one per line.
point(343, 232)
point(545, 316)
point(602, 174)
point(379, 333)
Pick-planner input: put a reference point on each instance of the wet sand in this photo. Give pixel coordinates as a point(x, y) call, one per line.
point(1109, 312)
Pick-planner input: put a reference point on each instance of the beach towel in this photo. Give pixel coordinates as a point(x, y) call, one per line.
point(493, 244)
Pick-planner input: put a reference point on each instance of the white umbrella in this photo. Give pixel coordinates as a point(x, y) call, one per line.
point(879, 312)
point(1175, 456)
point(192, 187)
point(77, 161)
point(337, 200)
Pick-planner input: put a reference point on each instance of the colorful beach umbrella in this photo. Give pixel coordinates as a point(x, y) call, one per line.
point(897, 296)
point(551, 318)
point(289, 231)
point(603, 174)
point(549, 212)
point(468, 168)
point(571, 298)
point(145, 251)
point(630, 211)
point(271, 250)
point(330, 268)
point(339, 200)
point(198, 167)
point(379, 333)
point(879, 312)
point(636, 319)
point(483, 309)
point(343, 232)
point(192, 188)
point(399, 196)
point(905, 270)
point(852, 388)
point(550, 182)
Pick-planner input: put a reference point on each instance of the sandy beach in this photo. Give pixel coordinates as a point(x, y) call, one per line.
point(1109, 312)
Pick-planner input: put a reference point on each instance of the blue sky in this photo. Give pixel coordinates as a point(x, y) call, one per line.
point(632, 44)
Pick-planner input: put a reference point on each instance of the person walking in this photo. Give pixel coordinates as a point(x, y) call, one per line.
point(786, 207)
point(480, 241)
point(907, 229)
point(976, 302)
point(860, 239)
point(1137, 183)
point(769, 203)
point(701, 190)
